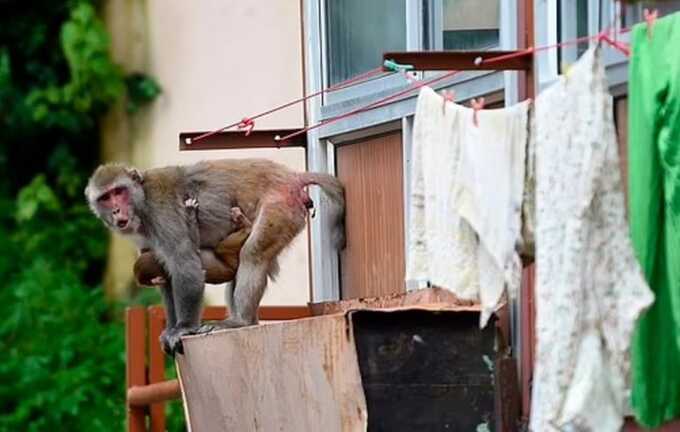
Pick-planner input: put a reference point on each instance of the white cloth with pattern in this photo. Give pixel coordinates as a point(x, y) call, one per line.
point(466, 192)
point(589, 289)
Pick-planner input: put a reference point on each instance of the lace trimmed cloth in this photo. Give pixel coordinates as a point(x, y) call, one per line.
point(590, 289)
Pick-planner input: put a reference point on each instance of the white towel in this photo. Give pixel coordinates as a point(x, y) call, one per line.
point(466, 195)
point(442, 246)
point(589, 286)
point(489, 192)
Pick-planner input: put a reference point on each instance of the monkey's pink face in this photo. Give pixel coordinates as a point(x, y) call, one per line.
point(117, 201)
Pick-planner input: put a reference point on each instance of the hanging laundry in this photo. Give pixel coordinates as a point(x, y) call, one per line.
point(489, 191)
point(442, 246)
point(654, 211)
point(590, 289)
point(466, 193)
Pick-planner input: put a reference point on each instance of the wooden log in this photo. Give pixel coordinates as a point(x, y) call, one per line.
point(141, 396)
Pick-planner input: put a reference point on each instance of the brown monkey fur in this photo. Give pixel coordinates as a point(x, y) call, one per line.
point(220, 264)
point(182, 213)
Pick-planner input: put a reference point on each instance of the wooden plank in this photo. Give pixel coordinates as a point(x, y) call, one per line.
point(215, 313)
point(231, 140)
point(294, 376)
point(460, 60)
point(371, 169)
point(135, 371)
point(156, 364)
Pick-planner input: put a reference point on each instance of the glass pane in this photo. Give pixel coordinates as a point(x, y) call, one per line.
point(359, 31)
point(582, 24)
point(633, 14)
point(471, 24)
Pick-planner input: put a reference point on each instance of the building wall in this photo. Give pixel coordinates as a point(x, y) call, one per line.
point(216, 61)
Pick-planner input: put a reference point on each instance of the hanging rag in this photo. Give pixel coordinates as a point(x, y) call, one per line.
point(467, 186)
point(654, 211)
point(442, 246)
point(489, 192)
point(589, 286)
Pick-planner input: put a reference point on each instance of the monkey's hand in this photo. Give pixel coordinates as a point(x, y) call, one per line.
point(239, 218)
point(171, 339)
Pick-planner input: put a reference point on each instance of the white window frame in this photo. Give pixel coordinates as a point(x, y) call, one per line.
point(321, 150)
point(546, 13)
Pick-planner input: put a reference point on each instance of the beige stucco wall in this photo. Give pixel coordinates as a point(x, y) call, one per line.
point(217, 61)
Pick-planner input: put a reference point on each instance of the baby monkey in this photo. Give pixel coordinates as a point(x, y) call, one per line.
point(219, 264)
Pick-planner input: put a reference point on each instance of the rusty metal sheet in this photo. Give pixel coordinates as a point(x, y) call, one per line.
point(295, 376)
point(427, 298)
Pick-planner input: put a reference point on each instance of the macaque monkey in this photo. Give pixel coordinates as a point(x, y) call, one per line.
point(151, 209)
point(219, 264)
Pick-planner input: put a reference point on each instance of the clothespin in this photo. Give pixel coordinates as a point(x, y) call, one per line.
point(476, 104)
point(411, 77)
point(393, 66)
point(650, 17)
point(447, 96)
point(247, 124)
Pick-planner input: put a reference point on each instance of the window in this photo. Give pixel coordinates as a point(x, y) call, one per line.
point(359, 31)
point(470, 24)
point(633, 14)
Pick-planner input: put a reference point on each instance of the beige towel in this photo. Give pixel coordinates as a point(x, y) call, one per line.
point(466, 193)
point(489, 193)
point(442, 246)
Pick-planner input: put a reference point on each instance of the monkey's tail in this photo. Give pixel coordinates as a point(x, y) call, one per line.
point(336, 208)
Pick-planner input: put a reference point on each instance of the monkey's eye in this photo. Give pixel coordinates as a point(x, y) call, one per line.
point(102, 199)
point(118, 190)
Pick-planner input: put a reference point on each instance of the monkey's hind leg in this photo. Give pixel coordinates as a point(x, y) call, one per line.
point(274, 229)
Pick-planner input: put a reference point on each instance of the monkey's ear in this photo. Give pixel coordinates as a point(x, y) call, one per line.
point(135, 175)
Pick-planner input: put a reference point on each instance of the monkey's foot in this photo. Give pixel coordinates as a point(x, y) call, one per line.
point(171, 339)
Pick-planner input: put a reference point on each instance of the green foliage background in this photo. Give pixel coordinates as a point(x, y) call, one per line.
point(62, 364)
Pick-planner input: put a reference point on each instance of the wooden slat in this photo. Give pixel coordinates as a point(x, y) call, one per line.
point(527, 328)
point(156, 365)
point(459, 60)
point(231, 140)
point(373, 262)
point(135, 372)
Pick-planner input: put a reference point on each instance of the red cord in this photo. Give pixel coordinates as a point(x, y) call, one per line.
point(344, 84)
point(249, 124)
point(417, 85)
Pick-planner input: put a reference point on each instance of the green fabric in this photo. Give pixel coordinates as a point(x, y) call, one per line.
point(654, 200)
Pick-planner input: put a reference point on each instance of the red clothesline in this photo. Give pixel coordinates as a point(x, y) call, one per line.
point(604, 36)
point(247, 123)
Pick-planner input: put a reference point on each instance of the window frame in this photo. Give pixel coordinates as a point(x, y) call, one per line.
point(321, 147)
point(559, 24)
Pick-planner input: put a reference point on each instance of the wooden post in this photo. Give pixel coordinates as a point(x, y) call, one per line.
point(135, 373)
point(527, 89)
point(156, 364)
